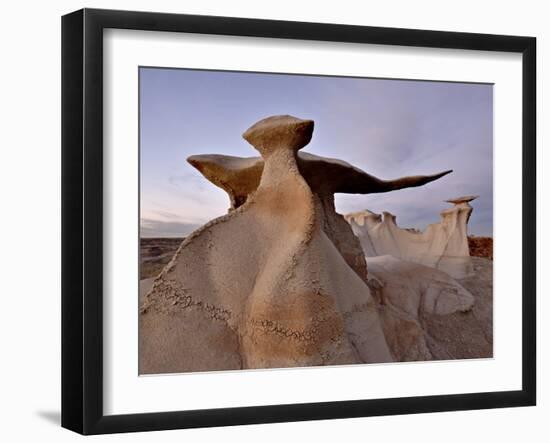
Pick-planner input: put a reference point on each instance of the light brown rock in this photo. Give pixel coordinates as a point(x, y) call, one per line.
point(459, 200)
point(240, 176)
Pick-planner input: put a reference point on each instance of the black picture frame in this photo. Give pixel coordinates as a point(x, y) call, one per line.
point(82, 218)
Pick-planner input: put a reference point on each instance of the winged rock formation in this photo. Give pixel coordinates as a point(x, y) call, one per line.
point(442, 245)
point(278, 281)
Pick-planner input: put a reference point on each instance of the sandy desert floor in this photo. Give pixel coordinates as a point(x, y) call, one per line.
point(481, 246)
point(155, 253)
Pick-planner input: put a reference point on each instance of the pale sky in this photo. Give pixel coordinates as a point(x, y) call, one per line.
point(388, 128)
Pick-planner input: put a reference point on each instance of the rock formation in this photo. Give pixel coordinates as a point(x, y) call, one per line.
point(442, 245)
point(280, 280)
point(240, 177)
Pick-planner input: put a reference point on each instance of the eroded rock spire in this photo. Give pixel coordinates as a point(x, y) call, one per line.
point(442, 245)
point(239, 177)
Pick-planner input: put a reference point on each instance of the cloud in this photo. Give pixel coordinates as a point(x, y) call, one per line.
point(159, 228)
point(184, 180)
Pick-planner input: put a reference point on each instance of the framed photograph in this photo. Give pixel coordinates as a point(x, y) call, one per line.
point(268, 221)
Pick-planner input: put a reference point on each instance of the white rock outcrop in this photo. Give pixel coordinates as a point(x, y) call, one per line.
point(442, 245)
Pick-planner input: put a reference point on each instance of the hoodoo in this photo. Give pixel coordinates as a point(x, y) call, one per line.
point(240, 177)
point(442, 245)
